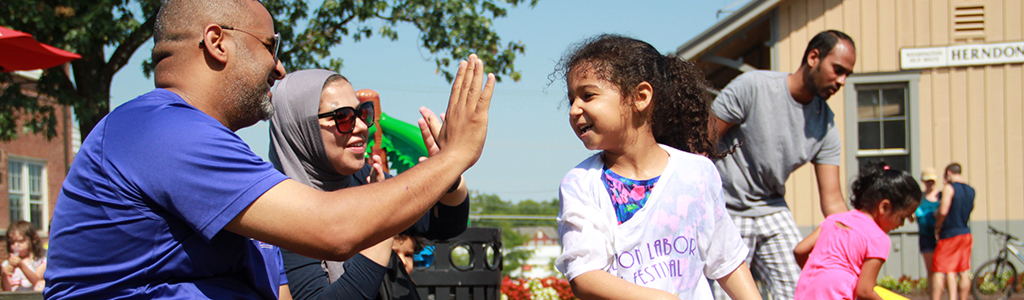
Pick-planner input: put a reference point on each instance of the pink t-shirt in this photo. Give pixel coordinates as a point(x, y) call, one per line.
point(835, 263)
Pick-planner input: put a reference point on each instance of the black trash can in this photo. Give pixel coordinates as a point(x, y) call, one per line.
point(477, 277)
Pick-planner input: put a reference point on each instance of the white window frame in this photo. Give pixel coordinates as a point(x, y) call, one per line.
point(23, 190)
point(913, 123)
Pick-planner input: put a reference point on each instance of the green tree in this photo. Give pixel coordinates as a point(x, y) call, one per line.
point(490, 204)
point(449, 29)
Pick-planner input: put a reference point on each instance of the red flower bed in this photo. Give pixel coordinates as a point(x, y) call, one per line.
point(535, 288)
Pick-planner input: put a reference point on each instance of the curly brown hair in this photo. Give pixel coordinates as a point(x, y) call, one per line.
point(682, 100)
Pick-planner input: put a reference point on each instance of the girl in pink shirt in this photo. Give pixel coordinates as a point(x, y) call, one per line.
point(842, 257)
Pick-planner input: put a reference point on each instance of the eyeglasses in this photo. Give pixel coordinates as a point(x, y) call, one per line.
point(345, 117)
point(273, 47)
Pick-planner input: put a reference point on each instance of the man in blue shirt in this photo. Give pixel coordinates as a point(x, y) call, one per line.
point(952, 256)
point(163, 197)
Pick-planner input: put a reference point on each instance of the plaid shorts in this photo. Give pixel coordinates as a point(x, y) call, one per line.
point(771, 239)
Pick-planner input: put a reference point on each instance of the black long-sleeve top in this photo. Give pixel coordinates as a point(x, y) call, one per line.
point(363, 277)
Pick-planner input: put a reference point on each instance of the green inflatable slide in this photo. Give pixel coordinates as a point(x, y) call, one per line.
point(402, 142)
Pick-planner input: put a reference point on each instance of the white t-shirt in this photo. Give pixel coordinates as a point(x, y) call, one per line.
point(682, 236)
point(18, 280)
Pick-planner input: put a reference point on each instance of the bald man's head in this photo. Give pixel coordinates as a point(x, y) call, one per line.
point(180, 22)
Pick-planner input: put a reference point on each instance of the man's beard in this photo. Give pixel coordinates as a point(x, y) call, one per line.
point(250, 101)
point(820, 91)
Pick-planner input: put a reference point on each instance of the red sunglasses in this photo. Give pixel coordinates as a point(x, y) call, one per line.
point(345, 117)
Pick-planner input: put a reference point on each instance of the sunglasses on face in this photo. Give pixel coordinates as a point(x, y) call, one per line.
point(345, 117)
point(275, 39)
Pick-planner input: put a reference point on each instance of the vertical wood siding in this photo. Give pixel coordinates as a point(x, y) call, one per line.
point(971, 115)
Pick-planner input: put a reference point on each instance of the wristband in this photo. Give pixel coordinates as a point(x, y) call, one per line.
point(455, 186)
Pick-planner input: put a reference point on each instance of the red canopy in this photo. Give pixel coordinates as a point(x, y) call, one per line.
point(19, 51)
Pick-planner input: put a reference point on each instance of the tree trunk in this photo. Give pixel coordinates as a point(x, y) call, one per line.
point(92, 86)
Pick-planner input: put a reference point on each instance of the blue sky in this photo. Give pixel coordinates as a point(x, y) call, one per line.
point(530, 145)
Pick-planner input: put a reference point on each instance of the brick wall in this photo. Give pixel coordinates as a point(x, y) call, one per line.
point(56, 152)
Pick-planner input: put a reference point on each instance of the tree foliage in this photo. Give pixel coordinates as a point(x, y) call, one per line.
point(490, 204)
point(448, 29)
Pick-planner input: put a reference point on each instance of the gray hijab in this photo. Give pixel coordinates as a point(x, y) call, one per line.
point(297, 147)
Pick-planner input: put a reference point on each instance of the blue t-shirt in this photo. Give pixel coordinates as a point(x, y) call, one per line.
point(959, 217)
point(141, 211)
point(274, 261)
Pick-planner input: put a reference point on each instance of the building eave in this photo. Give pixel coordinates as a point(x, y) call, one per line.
point(725, 28)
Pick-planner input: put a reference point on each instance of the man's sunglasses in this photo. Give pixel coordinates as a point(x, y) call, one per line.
point(345, 117)
point(273, 47)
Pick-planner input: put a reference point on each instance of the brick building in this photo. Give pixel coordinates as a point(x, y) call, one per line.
point(32, 168)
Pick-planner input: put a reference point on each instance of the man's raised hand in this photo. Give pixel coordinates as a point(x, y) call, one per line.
point(465, 126)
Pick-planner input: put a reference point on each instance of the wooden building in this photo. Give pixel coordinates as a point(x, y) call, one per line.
point(936, 81)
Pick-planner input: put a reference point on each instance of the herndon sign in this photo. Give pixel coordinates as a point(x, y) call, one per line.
point(962, 55)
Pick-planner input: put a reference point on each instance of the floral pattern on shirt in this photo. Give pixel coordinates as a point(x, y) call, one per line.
point(628, 195)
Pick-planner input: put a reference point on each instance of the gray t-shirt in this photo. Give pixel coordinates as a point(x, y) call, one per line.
point(779, 135)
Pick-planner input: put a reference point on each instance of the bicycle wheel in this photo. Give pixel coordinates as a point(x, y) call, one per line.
point(995, 279)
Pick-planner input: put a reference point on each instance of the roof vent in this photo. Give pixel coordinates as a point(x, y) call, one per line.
point(969, 23)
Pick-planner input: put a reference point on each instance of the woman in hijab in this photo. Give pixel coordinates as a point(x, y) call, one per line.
point(318, 136)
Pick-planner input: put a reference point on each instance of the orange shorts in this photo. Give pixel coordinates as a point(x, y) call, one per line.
point(953, 255)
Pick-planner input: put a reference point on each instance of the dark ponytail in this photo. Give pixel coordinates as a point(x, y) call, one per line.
point(681, 101)
point(878, 181)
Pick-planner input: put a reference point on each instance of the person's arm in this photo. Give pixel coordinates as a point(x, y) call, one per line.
point(740, 284)
point(731, 106)
point(381, 252)
point(34, 276)
point(307, 279)
point(8, 269)
point(868, 278)
point(719, 128)
point(829, 190)
point(442, 222)
point(284, 293)
point(598, 284)
point(944, 205)
point(724, 251)
point(336, 225)
point(804, 248)
point(429, 126)
point(450, 216)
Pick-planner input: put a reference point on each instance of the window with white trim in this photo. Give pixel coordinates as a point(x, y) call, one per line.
point(882, 125)
point(881, 121)
point(26, 191)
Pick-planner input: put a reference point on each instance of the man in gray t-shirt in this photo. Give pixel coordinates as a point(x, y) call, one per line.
point(783, 122)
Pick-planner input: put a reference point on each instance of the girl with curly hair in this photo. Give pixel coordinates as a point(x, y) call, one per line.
point(645, 217)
